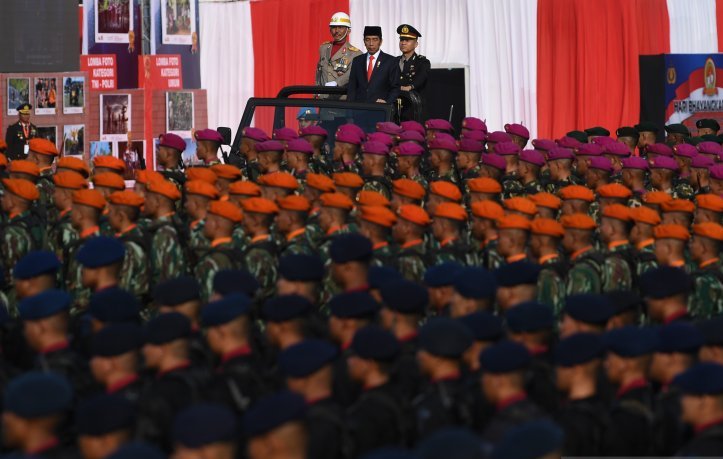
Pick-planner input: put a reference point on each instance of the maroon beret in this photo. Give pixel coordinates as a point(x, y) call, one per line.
point(496, 161)
point(568, 142)
point(412, 136)
point(474, 124)
point(381, 137)
point(663, 162)
point(589, 149)
point(716, 172)
point(374, 148)
point(388, 127)
point(659, 149)
point(439, 125)
point(474, 135)
point(498, 137)
point(616, 148)
point(506, 148)
point(443, 142)
point(635, 162)
point(469, 145)
point(601, 163)
point(285, 134)
point(313, 130)
point(560, 153)
point(517, 129)
point(702, 162)
point(172, 141)
point(603, 140)
point(544, 144)
point(413, 126)
point(300, 145)
point(685, 150)
point(409, 149)
point(255, 134)
point(269, 145)
point(710, 148)
point(209, 134)
point(354, 129)
point(532, 157)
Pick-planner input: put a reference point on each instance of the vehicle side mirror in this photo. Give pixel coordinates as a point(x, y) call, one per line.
point(226, 134)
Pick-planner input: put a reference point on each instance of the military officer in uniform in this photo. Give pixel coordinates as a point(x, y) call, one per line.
point(335, 56)
point(18, 134)
point(414, 70)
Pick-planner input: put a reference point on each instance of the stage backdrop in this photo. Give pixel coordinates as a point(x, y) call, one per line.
point(694, 88)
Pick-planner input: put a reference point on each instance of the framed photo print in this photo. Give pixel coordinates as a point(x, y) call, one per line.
point(115, 117)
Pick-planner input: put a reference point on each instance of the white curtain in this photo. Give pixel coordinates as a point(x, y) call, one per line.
point(503, 62)
point(227, 60)
point(693, 26)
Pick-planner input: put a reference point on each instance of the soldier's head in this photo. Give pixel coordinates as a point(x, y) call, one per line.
point(45, 318)
point(339, 26)
point(269, 155)
point(629, 351)
point(503, 366)
point(373, 352)
point(18, 196)
point(708, 208)
point(307, 367)
point(66, 182)
point(170, 149)
point(577, 360)
point(545, 236)
point(167, 340)
point(411, 223)
point(24, 169)
point(484, 218)
point(249, 138)
point(662, 172)
point(221, 218)
point(702, 388)
point(644, 220)
point(227, 323)
point(108, 183)
point(198, 195)
point(408, 38)
point(87, 208)
point(677, 212)
point(293, 212)
point(529, 164)
point(42, 152)
point(633, 173)
point(676, 134)
point(299, 274)
point(449, 218)
point(474, 290)
point(406, 191)
point(297, 155)
point(516, 284)
point(374, 158)
point(585, 313)
point(440, 192)
point(104, 423)
point(226, 174)
point(578, 231)
point(442, 343)
point(665, 291)
point(275, 427)
point(334, 210)
point(560, 168)
point(287, 316)
point(531, 324)
point(205, 430)
point(513, 232)
point(677, 351)
point(614, 223)
point(161, 197)
point(705, 241)
point(351, 255)
point(670, 243)
point(277, 185)
point(101, 259)
point(114, 352)
point(258, 215)
point(35, 273)
point(376, 222)
point(208, 142)
point(316, 185)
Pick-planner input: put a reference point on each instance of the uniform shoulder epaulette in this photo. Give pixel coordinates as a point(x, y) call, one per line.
point(421, 56)
point(326, 43)
point(352, 48)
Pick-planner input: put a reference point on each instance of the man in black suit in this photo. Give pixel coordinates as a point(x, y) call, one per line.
point(375, 74)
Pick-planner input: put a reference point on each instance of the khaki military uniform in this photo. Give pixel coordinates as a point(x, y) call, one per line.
point(335, 68)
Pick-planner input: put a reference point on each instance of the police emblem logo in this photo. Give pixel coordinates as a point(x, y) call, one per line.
point(405, 29)
point(709, 78)
point(671, 75)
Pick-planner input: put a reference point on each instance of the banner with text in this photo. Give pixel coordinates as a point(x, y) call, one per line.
point(102, 71)
point(160, 72)
point(693, 88)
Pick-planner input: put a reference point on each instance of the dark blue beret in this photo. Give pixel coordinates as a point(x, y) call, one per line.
point(631, 341)
point(701, 379)
point(505, 357)
point(350, 247)
point(665, 282)
point(204, 424)
point(681, 337)
point(286, 307)
point(389, 453)
point(589, 308)
point(477, 283)
point(225, 310)
point(177, 291)
point(518, 273)
point(711, 331)
point(376, 343)
point(483, 325)
point(353, 305)
point(114, 305)
point(530, 316)
point(117, 339)
point(137, 450)
point(442, 275)
point(235, 281)
point(531, 440)
point(36, 263)
point(451, 443)
point(379, 276)
point(624, 300)
point(100, 251)
point(37, 395)
point(445, 337)
point(272, 412)
point(103, 414)
point(306, 357)
point(578, 349)
point(45, 304)
point(168, 327)
point(301, 268)
point(405, 296)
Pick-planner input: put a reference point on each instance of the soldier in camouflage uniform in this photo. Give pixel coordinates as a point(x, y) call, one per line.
point(43, 152)
point(528, 170)
point(88, 205)
point(641, 234)
point(409, 160)
point(226, 175)
point(197, 197)
point(346, 149)
point(375, 223)
point(17, 236)
point(634, 178)
point(374, 163)
point(559, 162)
point(222, 253)
point(670, 245)
point(513, 230)
point(545, 237)
point(316, 185)
point(250, 137)
point(260, 255)
point(448, 222)
point(316, 136)
point(511, 185)
point(683, 154)
point(61, 233)
point(168, 157)
point(707, 298)
point(442, 149)
point(208, 142)
point(468, 158)
point(291, 224)
point(169, 258)
point(618, 267)
point(107, 183)
point(662, 172)
point(484, 233)
point(585, 273)
point(297, 156)
point(408, 233)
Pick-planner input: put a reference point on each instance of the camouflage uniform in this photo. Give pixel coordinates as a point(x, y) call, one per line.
point(551, 284)
point(260, 260)
point(532, 187)
point(175, 176)
point(707, 298)
point(252, 171)
point(346, 167)
point(168, 260)
point(239, 237)
point(419, 178)
point(584, 275)
point(383, 255)
point(645, 259)
point(46, 188)
point(136, 270)
point(511, 187)
point(197, 242)
point(224, 255)
point(683, 190)
point(313, 232)
point(298, 244)
point(449, 176)
point(555, 186)
point(617, 272)
point(411, 261)
point(17, 241)
point(379, 184)
point(455, 251)
point(74, 275)
point(104, 224)
point(470, 173)
point(61, 235)
point(320, 165)
point(489, 257)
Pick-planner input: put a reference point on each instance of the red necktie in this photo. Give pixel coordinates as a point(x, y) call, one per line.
point(370, 68)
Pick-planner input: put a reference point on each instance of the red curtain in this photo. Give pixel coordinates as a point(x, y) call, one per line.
point(287, 35)
point(587, 58)
point(654, 26)
point(719, 22)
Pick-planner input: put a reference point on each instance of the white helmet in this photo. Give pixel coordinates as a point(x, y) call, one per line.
point(340, 19)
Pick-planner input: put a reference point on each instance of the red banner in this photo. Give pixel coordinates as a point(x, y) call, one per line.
point(161, 72)
point(102, 71)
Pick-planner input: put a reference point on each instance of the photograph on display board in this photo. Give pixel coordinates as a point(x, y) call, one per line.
point(100, 149)
point(188, 156)
point(46, 96)
point(48, 132)
point(73, 137)
point(115, 116)
point(73, 95)
point(113, 21)
point(178, 22)
point(179, 113)
point(131, 154)
point(18, 94)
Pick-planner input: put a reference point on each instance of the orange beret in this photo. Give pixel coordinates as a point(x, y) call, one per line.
point(614, 190)
point(320, 182)
point(226, 209)
point(90, 198)
point(260, 206)
point(671, 231)
point(347, 179)
point(294, 202)
point(520, 204)
point(547, 200)
point(580, 192)
point(43, 146)
point(226, 171)
point(484, 185)
point(279, 180)
point(69, 179)
point(244, 188)
point(22, 188)
point(164, 188)
point(408, 188)
point(513, 222)
point(109, 180)
point(446, 189)
point(379, 215)
point(201, 173)
point(23, 166)
point(414, 214)
point(3, 160)
point(371, 198)
point(126, 198)
point(201, 188)
point(547, 227)
point(656, 197)
point(710, 202)
point(644, 215)
point(487, 209)
point(617, 211)
point(450, 210)
point(109, 162)
point(578, 221)
point(74, 164)
point(709, 229)
point(338, 200)
point(678, 205)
